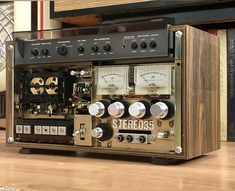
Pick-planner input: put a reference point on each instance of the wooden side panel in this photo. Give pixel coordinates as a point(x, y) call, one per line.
point(201, 93)
point(223, 83)
point(63, 5)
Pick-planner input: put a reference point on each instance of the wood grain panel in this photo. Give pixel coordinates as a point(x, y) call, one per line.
point(87, 20)
point(223, 83)
point(201, 92)
point(63, 5)
point(51, 172)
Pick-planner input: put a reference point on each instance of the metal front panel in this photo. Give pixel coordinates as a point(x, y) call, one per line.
point(151, 127)
point(120, 47)
point(50, 97)
point(10, 92)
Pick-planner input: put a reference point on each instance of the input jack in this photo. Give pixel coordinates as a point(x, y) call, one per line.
point(129, 138)
point(120, 138)
point(141, 139)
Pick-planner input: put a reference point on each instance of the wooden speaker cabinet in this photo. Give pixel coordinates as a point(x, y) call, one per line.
point(141, 88)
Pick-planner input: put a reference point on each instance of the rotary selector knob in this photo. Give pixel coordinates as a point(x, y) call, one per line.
point(45, 52)
point(102, 132)
point(143, 45)
point(97, 109)
point(35, 52)
point(107, 47)
point(62, 50)
point(94, 48)
point(152, 44)
point(134, 46)
point(116, 109)
point(81, 49)
point(137, 110)
point(159, 110)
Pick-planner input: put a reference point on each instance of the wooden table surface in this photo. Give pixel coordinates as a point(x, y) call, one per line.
point(215, 171)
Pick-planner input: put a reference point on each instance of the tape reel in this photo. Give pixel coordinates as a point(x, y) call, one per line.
point(51, 85)
point(37, 86)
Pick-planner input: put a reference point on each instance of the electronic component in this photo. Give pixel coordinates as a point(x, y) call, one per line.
point(143, 88)
point(112, 80)
point(153, 79)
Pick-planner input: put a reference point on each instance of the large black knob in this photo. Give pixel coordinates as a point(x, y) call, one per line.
point(107, 47)
point(81, 49)
point(94, 48)
point(35, 52)
point(45, 52)
point(143, 45)
point(152, 44)
point(134, 45)
point(102, 132)
point(62, 50)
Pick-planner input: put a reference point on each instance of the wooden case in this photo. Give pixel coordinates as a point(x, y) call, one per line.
point(200, 92)
point(197, 55)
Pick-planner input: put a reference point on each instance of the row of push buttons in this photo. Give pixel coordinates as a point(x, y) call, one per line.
point(41, 130)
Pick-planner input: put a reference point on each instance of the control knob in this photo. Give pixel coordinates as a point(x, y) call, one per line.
point(98, 109)
point(152, 44)
point(143, 45)
point(139, 109)
point(81, 49)
point(97, 132)
point(45, 52)
point(107, 47)
point(117, 109)
point(162, 110)
point(134, 45)
point(94, 48)
point(62, 50)
point(35, 52)
point(102, 132)
point(159, 110)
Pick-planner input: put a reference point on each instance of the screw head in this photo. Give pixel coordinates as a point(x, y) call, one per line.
point(178, 150)
point(178, 34)
point(10, 47)
point(10, 140)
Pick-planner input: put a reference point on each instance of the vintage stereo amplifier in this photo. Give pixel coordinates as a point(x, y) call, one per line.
point(143, 88)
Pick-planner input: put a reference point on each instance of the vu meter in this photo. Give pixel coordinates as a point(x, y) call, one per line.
point(112, 80)
point(153, 79)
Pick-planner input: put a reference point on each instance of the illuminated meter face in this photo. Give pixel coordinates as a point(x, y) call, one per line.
point(153, 79)
point(112, 80)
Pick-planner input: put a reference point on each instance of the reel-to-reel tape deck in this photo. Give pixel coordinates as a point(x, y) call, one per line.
point(140, 88)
